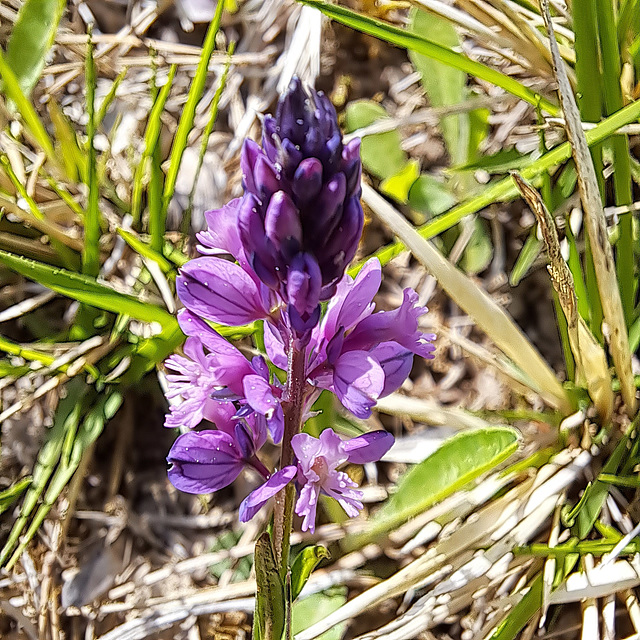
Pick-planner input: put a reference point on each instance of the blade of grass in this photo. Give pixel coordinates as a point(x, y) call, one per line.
point(146, 251)
point(59, 240)
point(505, 189)
point(73, 448)
point(75, 161)
point(596, 227)
point(188, 115)
point(11, 88)
point(87, 290)
point(419, 44)
point(31, 38)
point(91, 253)
point(206, 134)
point(110, 97)
point(67, 418)
point(487, 314)
point(151, 137)
point(613, 100)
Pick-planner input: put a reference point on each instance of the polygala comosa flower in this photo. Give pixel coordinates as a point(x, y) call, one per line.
point(274, 255)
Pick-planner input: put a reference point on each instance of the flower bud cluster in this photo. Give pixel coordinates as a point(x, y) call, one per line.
point(275, 255)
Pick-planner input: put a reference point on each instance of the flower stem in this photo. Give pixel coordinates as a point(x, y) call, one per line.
point(283, 512)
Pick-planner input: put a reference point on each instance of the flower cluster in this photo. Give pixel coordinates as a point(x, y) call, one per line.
point(275, 255)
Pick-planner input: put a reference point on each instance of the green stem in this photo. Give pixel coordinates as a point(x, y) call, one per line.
point(283, 512)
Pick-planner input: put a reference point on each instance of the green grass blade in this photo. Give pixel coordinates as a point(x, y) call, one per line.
point(11, 88)
point(151, 137)
point(110, 97)
point(613, 101)
point(419, 44)
point(67, 418)
point(91, 253)
point(31, 38)
point(141, 247)
point(188, 113)
point(505, 189)
point(73, 158)
point(87, 290)
point(12, 493)
point(74, 447)
point(596, 227)
point(527, 256)
point(206, 134)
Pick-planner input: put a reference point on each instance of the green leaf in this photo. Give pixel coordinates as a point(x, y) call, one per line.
point(455, 464)
point(527, 256)
point(12, 493)
point(419, 44)
point(67, 418)
point(306, 561)
point(381, 153)
point(594, 496)
point(399, 185)
point(479, 251)
point(31, 38)
point(145, 250)
point(444, 85)
point(316, 607)
point(87, 290)
point(74, 446)
point(430, 196)
point(269, 618)
point(11, 88)
point(521, 613)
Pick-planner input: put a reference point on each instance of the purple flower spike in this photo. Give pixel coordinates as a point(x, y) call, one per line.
point(301, 219)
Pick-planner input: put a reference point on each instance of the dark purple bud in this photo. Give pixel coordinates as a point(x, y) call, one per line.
point(248, 156)
point(282, 223)
point(307, 180)
point(244, 441)
point(304, 281)
point(265, 178)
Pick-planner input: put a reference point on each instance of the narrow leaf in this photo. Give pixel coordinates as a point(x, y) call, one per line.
point(87, 290)
point(269, 618)
point(31, 38)
point(306, 561)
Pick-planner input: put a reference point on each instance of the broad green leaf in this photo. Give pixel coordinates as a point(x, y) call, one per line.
point(430, 196)
point(31, 38)
point(269, 617)
point(316, 607)
point(407, 40)
point(444, 85)
point(12, 493)
point(87, 290)
point(399, 185)
point(459, 461)
point(381, 153)
point(306, 561)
